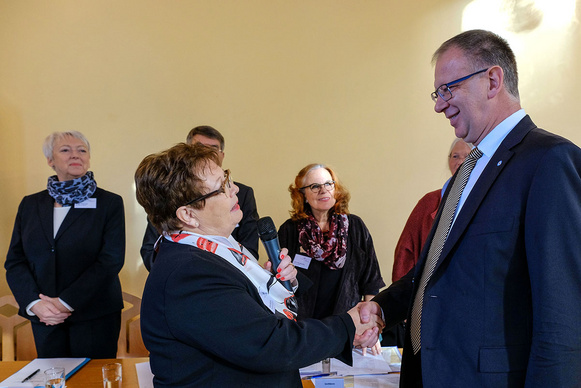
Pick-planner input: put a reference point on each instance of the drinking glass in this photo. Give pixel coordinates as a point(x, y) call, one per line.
point(54, 377)
point(112, 375)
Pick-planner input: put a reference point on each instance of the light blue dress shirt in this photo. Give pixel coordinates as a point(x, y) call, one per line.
point(488, 146)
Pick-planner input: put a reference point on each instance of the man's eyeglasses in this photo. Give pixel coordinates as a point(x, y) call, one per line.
point(214, 147)
point(227, 183)
point(444, 90)
point(317, 187)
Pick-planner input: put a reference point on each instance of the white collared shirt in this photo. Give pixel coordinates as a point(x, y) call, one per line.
point(488, 147)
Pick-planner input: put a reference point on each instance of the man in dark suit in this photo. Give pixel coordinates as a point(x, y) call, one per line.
point(501, 306)
point(246, 233)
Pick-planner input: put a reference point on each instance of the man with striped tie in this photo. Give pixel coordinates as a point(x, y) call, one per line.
point(494, 298)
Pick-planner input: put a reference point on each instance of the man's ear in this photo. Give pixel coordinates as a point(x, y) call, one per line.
point(187, 216)
point(495, 81)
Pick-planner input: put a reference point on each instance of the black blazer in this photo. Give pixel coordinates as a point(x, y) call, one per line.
point(502, 307)
point(80, 265)
point(360, 275)
point(246, 233)
point(205, 325)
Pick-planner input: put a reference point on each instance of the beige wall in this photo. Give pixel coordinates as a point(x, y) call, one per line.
point(288, 83)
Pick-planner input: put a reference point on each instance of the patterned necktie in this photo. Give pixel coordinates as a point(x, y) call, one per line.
point(438, 241)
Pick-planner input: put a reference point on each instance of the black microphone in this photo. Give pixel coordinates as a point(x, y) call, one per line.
point(269, 238)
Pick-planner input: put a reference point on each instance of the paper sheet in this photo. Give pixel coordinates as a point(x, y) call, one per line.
point(362, 365)
point(367, 371)
point(144, 375)
point(383, 381)
point(71, 365)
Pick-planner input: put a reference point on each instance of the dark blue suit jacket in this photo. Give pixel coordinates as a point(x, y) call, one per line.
point(80, 265)
point(205, 325)
point(502, 308)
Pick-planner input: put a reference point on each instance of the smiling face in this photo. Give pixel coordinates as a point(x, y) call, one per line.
point(70, 158)
point(221, 213)
point(457, 156)
point(466, 110)
point(324, 200)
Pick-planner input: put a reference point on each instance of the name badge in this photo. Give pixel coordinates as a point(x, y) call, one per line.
point(328, 383)
point(302, 261)
point(89, 203)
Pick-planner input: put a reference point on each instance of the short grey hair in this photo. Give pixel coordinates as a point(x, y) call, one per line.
point(485, 49)
point(48, 145)
point(454, 142)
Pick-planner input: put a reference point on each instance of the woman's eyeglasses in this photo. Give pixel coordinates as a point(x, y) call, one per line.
point(317, 187)
point(227, 183)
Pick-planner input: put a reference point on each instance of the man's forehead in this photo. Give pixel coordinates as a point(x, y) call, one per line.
point(450, 65)
point(205, 140)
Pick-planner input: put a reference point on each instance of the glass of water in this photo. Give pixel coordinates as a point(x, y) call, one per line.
point(112, 375)
point(54, 377)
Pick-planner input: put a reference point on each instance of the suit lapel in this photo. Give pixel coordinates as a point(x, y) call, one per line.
point(46, 216)
point(497, 163)
point(72, 216)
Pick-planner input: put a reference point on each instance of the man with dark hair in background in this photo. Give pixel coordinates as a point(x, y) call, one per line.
point(246, 233)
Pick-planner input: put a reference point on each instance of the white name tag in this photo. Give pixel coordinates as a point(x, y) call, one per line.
point(328, 383)
point(302, 261)
point(90, 203)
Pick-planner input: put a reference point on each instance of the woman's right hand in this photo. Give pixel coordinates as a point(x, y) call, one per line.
point(49, 313)
point(286, 270)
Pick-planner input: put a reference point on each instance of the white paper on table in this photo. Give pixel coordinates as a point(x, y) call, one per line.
point(362, 365)
point(71, 365)
point(392, 355)
point(144, 375)
point(377, 381)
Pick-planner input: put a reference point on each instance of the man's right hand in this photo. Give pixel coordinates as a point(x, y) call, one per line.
point(369, 313)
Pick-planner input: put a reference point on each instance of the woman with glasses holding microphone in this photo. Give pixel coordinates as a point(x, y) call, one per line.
point(333, 248)
point(211, 316)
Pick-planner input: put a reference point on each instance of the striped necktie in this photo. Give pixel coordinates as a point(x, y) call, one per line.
point(437, 244)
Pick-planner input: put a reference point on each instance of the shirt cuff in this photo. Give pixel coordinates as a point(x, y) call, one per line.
point(28, 311)
point(66, 305)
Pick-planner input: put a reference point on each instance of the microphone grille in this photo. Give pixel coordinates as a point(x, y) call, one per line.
point(266, 228)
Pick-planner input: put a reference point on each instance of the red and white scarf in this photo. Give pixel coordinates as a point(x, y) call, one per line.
point(274, 295)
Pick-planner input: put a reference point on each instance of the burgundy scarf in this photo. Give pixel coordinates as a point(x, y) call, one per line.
point(329, 247)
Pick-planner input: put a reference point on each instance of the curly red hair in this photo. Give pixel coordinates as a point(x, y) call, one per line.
point(298, 200)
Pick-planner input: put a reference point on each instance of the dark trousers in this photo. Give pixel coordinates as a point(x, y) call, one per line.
point(95, 338)
point(413, 380)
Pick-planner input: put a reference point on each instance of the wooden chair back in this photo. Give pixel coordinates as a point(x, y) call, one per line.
point(17, 338)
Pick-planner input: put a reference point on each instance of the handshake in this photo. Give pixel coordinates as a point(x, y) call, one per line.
point(367, 317)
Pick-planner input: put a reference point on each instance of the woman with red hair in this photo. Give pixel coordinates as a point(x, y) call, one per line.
point(333, 248)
